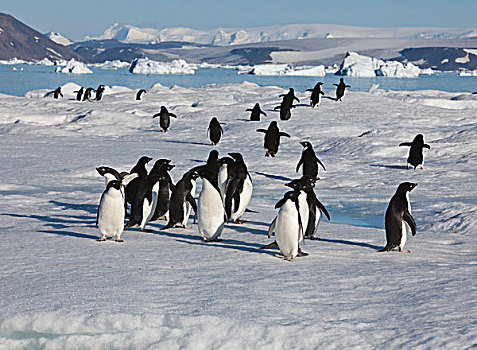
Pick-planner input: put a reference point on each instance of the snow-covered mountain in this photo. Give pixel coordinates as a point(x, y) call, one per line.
point(232, 36)
point(58, 38)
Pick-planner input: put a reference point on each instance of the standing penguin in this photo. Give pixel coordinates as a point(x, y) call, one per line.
point(99, 92)
point(340, 89)
point(79, 94)
point(316, 210)
point(289, 98)
point(215, 131)
point(309, 160)
point(398, 216)
point(164, 118)
point(226, 173)
point(288, 226)
point(416, 157)
point(316, 93)
point(110, 215)
point(210, 212)
point(87, 93)
point(272, 139)
point(140, 169)
point(256, 111)
point(166, 186)
point(285, 111)
point(139, 94)
point(56, 93)
point(239, 190)
point(182, 199)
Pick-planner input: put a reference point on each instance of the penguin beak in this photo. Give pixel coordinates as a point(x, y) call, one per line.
point(302, 143)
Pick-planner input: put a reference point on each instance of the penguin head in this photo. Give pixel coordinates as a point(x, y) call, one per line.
point(341, 80)
point(305, 144)
point(319, 83)
point(257, 105)
point(194, 174)
point(406, 187)
point(292, 91)
point(418, 139)
point(144, 160)
point(236, 156)
point(273, 124)
point(163, 109)
point(226, 160)
point(115, 184)
point(102, 170)
point(213, 156)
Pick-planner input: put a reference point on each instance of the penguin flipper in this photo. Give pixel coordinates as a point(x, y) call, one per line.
point(172, 115)
point(192, 202)
point(262, 130)
point(410, 221)
point(296, 98)
point(156, 115)
point(284, 134)
point(405, 144)
point(300, 162)
point(426, 146)
point(270, 230)
point(319, 162)
point(321, 92)
point(323, 209)
point(309, 90)
point(128, 178)
point(249, 110)
point(262, 112)
point(277, 107)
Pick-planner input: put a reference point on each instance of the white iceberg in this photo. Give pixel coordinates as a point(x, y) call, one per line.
point(45, 62)
point(468, 73)
point(13, 61)
point(115, 64)
point(286, 69)
point(74, 67)
point(396, 69)
point(147, 66)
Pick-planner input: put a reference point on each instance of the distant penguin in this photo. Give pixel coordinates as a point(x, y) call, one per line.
point(340, 89)
point(256, 111)
point(139, 94)
point(164, 118)
point(316, 93)
point(416, 157)
point(99, 92)
point(145, 202)
point(288, 226)
point(285, 111)
point(182, 199)
point(210, 211)
point(289, 98)
point(56, 93)
point(272, 139)
point(79, 94)
point(87, 93)
point(110, 215)
point(140, 169)
point(215, 131)
point(398, 217)
point(239, 190)
point(309, 160)
point(166, 186)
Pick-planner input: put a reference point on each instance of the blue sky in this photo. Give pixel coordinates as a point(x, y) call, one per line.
point(78, 18)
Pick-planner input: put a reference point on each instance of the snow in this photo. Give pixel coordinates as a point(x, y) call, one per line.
point(285, 69)
point(74, 67)
point(169, 289)
point(13, 61)
point(358, 65)
point(115, 64)
point(466, 73)
point(147, 66)
point(58, 38)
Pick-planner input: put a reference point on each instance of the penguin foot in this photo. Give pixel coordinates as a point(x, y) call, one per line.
point(405, 251)
point(315, 238)
point(187, 227)
point(102, 239)
point(147, 230)
point(290, 259)
point(119, 240)
point(238, 222)
point(279, 256)
point(302, 253)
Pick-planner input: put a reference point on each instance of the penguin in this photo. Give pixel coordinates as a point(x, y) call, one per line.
point(215, 131)
point(99, 92)
point(212, 165)
point(79, 94)
point(316, 210)
point(289, 98)
point(397, 217)
point(285, 111)
point(210, 211)
point(164, 118)
point(139, 94)
point(56, 93)
point(316, 93)
point(144, 204)
point(256, 111)
point(182, 199)
point(416, 157)
point(166, 187)
point(140, 169)
point(288, 226)
point(340, 89)
point(87, 93)
point(239, 190)
point(226, 172)
point(272, 139)
point(309, 160)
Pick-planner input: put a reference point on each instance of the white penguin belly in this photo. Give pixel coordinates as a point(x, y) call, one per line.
point(304, 212)
point(149, 208)
point(111, 214)
point(245, 197)
point(210, 212)
point(317, 222)
point(286, 230)
point(223, 174)
point(187, 206)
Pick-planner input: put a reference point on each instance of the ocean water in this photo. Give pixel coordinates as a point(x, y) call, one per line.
point(18, 82)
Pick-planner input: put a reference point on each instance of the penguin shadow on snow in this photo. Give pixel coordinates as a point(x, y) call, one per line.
point(188, 142)
point(342, 241)
point(231, 244)
point(273, 176)
point(89, 208)
point(400, 167)
point(71, 234)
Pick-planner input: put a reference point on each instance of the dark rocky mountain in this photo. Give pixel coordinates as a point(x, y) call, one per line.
point(20, 41)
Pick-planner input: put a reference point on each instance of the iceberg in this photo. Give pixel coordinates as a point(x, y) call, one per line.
point(74, 67)
point(115, 64)
point(286, 69)
point(147, 66)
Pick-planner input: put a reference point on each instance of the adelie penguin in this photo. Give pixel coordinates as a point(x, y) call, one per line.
point(79, 94)
point(99, 92)
point(289, 98)
point(163, 167)
point(285, 111)
point(315, 210)
point(309, 160)
point(256, 111)
point(140, 169)
point(272, 139)
point(110, 215)
point(182, 200)
point(139, 94)
point(238, 191)
point(340, 89)
point(56, 93)
point(210, 211)
point(316, 93)
point(215, 131)
point(416, 157)
point(398, 218)
point(164, 118)
point(87, 93)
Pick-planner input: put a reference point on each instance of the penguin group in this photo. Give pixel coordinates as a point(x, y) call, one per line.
point(141, 197)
